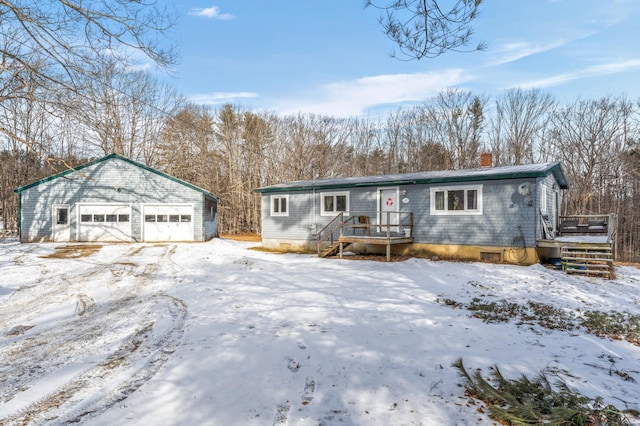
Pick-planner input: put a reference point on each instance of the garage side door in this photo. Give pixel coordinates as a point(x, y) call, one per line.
point(104, 222)
point(167, 222)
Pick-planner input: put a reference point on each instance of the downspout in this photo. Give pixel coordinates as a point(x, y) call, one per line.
point(313, 196)
point(315, 221)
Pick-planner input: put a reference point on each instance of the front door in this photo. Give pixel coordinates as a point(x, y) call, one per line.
point(61, 228)
point(389, 208)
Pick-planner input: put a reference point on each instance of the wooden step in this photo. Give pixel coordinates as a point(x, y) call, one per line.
point(333, 249)
point(588, 271)
point(588, 260)
point(572, 265)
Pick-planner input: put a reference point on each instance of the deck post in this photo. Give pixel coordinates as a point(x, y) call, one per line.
point(388, 225)
point(388, 252)
point(341, 246)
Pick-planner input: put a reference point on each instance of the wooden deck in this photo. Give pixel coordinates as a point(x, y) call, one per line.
point(375, 228)
point(584, 244)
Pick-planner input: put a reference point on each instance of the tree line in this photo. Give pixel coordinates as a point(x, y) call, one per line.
point(232, 150)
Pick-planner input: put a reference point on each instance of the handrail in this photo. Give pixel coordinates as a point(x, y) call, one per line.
point(320, 238)
point(339, 222)
point(579, 224)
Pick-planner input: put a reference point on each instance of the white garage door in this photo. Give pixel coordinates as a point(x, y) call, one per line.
point(104, 222)
point(167, 222)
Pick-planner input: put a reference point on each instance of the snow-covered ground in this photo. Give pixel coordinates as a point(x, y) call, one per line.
point(217, 334)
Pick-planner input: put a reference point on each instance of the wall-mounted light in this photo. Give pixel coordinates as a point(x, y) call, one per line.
point(404, 192)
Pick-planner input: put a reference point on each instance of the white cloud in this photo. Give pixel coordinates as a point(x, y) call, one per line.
point(355, 97)
point(218, 98)
point(515, 51)
point(212, 12)
point(592, 71)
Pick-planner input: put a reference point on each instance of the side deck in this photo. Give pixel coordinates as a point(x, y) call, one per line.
point(583, 244)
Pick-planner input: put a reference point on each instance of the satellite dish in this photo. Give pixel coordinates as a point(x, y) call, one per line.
point(523, 189)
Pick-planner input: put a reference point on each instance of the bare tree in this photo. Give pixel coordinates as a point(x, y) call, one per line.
point(49, 44)
point(459, 119)
point(362, 135)
point(517, 125)
point(242, 142)
point(425, 29)
point(123, 110)
point(186, 148)
point(587, 136)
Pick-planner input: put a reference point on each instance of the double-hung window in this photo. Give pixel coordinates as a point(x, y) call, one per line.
point(280, 205)
point(333, 203)
point(456, 200)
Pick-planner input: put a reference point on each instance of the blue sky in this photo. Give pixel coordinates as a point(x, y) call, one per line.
point(331, 57)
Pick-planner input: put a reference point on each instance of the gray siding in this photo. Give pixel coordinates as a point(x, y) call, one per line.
point(211, 226)
point(97, 183)
point(298, 225)
point(552, 210)
point(509, 219)
point(506, 218)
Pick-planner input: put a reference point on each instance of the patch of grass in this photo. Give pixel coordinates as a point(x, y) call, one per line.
point(449, 302)
point(536, 401)
point(266, 250)
point(243, 237)
point(613, 325)
point(616, 325)
point(74, 251)
point(494, 311)
point(549, 317)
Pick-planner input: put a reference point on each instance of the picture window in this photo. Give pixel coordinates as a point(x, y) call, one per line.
point(462, 200)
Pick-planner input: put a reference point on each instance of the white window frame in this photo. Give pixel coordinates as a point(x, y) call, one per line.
point(57, 207)
point(543, 199)
point(324, 212)
point(465, 211)
point(279, 197)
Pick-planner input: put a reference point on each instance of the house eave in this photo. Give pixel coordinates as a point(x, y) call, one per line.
point(401, 180)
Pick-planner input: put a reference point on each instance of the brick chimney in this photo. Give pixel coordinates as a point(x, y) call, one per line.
point(486, 160)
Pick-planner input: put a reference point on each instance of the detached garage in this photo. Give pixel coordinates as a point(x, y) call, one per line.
point(116, 199)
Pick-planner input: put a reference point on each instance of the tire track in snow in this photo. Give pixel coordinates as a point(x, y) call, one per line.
point(76, 401)
point(30, 302)
point(121, 373)
point(34, 356)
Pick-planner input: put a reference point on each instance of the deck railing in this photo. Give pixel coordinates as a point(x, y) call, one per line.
point(599, 224)
point(380, 224)
point(327, 232)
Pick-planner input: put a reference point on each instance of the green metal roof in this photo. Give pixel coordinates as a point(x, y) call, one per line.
point(119, 157)
point(443, 176)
